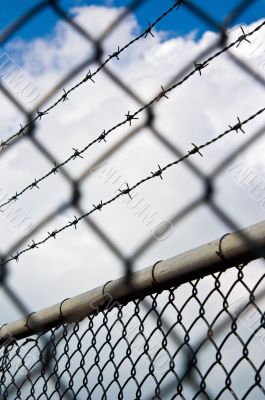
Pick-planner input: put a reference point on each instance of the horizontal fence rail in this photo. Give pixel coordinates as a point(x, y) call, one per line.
point(94, 340)
point(232, 249)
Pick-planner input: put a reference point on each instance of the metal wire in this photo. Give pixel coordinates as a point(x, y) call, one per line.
point(128, 351)
point(158, 173)
point(90, 75)
point(129, 117)
point(205, 353)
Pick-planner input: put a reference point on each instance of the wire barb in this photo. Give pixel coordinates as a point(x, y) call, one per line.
point(126, 191)
point(64, 96)
point(243, 37)
point(130, 117)
point(14, 198)
point(162, 94)
point(102, 137)
point(32, 246)
point(148, 31)
point(53, 234)
point(200, 66)
point(54, 170)
point(158, 172)
point(22, 129)
point(40, 114)
point(89, 76)
point(33, 185)
point(16, 257)
point(115, 54)
point(196, 149)
point(3, 144)
point(237, 127)
point(76, 153)
point(74, 222)
point(99, 206)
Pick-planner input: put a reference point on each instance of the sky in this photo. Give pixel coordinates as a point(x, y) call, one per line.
point(179, 23)
point(144, 67)
point(196, 111)
point(150, 63)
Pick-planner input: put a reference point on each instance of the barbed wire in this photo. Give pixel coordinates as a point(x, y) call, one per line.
point(198, 67)
point(90, 75)
point(158, 173)
point(29, 385)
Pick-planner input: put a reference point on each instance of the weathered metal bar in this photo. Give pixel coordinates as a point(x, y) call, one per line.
point(236, 248)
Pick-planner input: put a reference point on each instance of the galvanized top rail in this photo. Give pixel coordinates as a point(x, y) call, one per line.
point(225, 252)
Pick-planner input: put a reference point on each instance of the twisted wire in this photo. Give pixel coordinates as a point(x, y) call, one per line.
point(89, 76)
point(129, 117)
point(158, 173)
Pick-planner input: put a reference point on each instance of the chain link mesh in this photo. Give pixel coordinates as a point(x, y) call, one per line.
point(195, 341)
point(211, 346)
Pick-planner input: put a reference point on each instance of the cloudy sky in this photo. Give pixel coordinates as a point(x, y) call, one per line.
point(47, 49)
point(149, 9)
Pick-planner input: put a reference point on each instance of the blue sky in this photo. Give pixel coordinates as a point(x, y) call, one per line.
point(180, 22)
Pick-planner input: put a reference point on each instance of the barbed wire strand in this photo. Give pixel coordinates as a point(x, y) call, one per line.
point(129, 118)
point(90, 75)
point(195, 150)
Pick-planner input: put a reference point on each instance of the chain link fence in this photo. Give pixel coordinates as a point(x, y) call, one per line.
point(199, 340)
point(186, 342)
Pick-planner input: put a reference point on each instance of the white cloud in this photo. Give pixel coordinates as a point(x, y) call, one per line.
point(195, 112)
